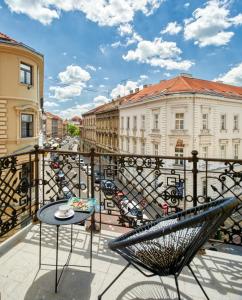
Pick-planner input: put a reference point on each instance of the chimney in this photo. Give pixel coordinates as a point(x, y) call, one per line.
point(131, 92)
point(118, 96)
point(186, 75)
point(219, 81)
point(136, 90)
point(145, 86)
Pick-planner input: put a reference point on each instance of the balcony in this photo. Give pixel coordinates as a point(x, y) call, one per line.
point(32, 179)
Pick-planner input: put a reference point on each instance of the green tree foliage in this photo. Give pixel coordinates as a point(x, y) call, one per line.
point(73, 130)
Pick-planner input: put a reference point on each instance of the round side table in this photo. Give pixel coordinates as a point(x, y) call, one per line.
point(46, 214)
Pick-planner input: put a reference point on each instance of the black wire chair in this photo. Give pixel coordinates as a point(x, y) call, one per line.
point(165, 246)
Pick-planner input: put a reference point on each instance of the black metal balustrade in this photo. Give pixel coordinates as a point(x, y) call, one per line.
point(130, 189)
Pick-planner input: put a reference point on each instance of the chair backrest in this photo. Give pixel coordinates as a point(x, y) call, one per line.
point(179, 236)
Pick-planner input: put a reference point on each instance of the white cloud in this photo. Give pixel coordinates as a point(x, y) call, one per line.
point(74, 74)
point(100, 100)
point(101, 85)
point(116, 44)
point(50, 104)
point(106, 78)
point(74, 79)
point(172, 28)
point(187, 4)
point(76, 110)
point(103, 49)
point(64, 53)
point(50, 77)
point(124, 89)
point(74, 57)
point(99, 68)
point(105, 13)
point(143, 77)
point(90, 67)
point(209, 25)
point(66, 92)
point(233, 76)
point(125, 29)
point(158, 54)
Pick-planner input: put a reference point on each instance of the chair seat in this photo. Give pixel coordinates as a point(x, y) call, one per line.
point(162, 254)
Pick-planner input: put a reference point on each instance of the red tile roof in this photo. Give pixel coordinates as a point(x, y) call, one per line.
point(185, 84)
point(55, 117)
point(7, 38)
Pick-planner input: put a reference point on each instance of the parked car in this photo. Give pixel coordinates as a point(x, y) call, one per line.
point(88, 170)
point(108, 187)
point(67, 193)
point(79, 161)
point(98, 176)
point(130, 208)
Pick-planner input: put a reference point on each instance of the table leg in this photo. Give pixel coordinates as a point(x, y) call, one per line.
point(92, 225)
point(56, 263)
point(71, 236)
point(40, 244)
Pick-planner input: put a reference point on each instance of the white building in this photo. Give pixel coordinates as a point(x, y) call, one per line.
point(182, 114)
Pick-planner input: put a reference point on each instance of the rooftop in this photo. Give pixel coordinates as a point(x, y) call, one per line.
point(7, 39)
point(188, 84)
point(220, 273)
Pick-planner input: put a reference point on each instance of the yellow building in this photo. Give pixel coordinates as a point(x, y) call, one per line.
point(21, 95)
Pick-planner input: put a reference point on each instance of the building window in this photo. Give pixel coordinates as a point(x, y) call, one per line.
point(25, 74)
point(205, 121)
point(54, 128)
point(135, 123)
point(156, 149)
point(179, 153)
point(128, 125)
point(236, 151)
point(156, 121)
point(135, 147)
point(236, 122)
point(179, 123)
point(223, 122)
point(127, 145)
point(122, 122)
point(205, 151)
point(143, 148)
point(223, 151)
point(143, 122)
point(27, 125)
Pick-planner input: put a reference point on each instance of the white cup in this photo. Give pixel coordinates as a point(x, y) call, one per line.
point(64, 210)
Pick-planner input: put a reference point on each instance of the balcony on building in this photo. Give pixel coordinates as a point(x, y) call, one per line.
point(148, 182)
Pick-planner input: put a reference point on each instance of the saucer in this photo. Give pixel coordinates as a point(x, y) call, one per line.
point(69, 215)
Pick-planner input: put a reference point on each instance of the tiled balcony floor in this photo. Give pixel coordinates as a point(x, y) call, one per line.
point(220, 273)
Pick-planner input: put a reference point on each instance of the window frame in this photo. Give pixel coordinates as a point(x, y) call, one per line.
point(156, 121)
point(179, 152)
point(25, 73)
point(205, 121)
point(179, 121)
point(223, 122)
point(21, 125)
point(236, 122)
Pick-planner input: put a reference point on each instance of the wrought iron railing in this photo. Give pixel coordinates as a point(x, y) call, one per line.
point(130, 189)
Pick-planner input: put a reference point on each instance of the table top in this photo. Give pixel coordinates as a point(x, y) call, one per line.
point(46, 214)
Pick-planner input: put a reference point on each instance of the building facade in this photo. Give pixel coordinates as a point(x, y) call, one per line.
point(179, 115)
point(183, 114)
point(88, 139)
point(53, 126)
point(21, 95)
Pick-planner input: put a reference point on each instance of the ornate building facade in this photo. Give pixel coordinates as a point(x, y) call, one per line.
point(21, 95)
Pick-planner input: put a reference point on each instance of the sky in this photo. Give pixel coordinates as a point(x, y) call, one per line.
point(95, 50)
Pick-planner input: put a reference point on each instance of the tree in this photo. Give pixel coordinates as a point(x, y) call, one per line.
point(73, 130)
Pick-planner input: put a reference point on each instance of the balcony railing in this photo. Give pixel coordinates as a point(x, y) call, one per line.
point(130, 190)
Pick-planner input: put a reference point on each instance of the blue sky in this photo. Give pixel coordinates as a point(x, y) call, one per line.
point(96, 50)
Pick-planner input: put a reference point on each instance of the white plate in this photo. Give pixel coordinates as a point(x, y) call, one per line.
point(70, 214)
